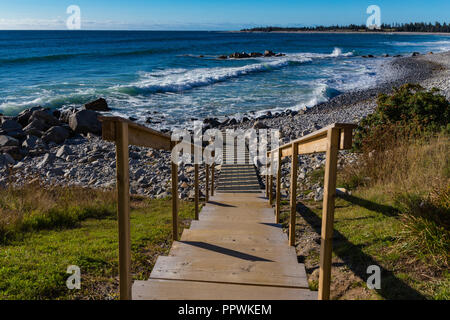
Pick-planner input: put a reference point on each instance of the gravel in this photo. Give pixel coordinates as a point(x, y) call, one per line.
point(88, 161)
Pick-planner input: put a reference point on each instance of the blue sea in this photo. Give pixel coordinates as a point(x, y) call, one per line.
point(161, 74)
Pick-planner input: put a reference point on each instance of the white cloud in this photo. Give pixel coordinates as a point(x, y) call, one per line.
point(60, 24)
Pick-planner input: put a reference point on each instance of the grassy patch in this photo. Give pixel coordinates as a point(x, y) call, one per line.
point(33, 266)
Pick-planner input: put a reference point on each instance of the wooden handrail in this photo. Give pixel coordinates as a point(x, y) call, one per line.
point(330, 140)
point(124, 133)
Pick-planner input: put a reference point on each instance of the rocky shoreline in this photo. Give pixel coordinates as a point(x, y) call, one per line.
point(64, 147)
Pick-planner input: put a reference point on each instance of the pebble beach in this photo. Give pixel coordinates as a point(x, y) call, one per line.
point(69, 154)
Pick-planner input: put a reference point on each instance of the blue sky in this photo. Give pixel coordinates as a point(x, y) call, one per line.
point(212, 15)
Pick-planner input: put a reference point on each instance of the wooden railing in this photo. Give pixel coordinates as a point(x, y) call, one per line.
point(330, 140)
point(124, 133)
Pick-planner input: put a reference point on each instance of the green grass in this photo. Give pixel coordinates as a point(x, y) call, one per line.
point(368, 229)
point(34, 266)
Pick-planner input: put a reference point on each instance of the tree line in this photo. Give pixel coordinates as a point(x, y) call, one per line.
point(395, 27)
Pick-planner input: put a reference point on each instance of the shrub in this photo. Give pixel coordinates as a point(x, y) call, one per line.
point(410, 111)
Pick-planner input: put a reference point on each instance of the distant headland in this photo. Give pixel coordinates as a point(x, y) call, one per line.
point(416, 27)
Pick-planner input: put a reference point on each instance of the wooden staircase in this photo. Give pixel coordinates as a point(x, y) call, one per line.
point(233, 252)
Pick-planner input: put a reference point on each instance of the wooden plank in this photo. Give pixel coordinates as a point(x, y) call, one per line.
point(293, 209)
point(227, 271)
point(207, 182)
point(123, 209)
point(278, 190)
point(175, 201)
point(239, 236)
point(157, 289)
point(328, 214)
point(317, 141)
point(216, 249)
point(212, 179)
point(346, 139)
point(138, 135)
point(196, 190)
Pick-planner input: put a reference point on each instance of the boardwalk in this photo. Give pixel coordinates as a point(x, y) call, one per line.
point(234, 251)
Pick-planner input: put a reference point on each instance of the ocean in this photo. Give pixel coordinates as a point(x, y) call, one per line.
point(173, 77)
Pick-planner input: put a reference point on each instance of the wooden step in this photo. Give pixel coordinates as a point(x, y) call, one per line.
point(235, 236)
point(157, 289)
point(230, 271)
point(213, 249)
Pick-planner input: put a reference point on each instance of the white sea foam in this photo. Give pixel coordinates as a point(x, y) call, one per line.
point(176, 80)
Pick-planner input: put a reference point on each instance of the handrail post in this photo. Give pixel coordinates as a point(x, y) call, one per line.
point(123, 209)
point(278, 194)
point(328, 213)
point(196, 191)
point(207, 182)
point(175, 200)
point(292, 218)
point(212, 174)
point(267, 175)
point(271, 180)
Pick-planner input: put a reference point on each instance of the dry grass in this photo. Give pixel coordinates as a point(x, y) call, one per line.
point(36, 207)
point(415, 173)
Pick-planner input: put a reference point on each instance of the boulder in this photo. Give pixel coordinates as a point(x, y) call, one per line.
point(65, 115)
point(30, 142)
point(7, 141)
point(24, 117)
point(415, 54)
point(36, 128)
point(97, 105)
point(256, 54)
point(10, 126)
point(85, 121)
point(46, 117)
point(268, 53)
point(212, 122)
point(14, 151)
point(259, 125)
point(56, 134)
point(6, 159)
point(223, 57)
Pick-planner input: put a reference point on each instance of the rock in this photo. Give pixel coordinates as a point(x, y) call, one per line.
point(239, 55)
point(10, 126)
point(223, 57)
point(63, 152)
point(36, 128)
point(46, 117)
point(256, 54)
point(14, 151)
point(268, 53)
point(6, 159)
point(319, 194)
point(65, 115)
point(30, 142)
point(415, 54)
point(259, 125)
point(85, 121)
point(97, 105)
point(213, 122)
point(56, 134)
point(47, 160)
point(7, 141)
point(24, 117)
